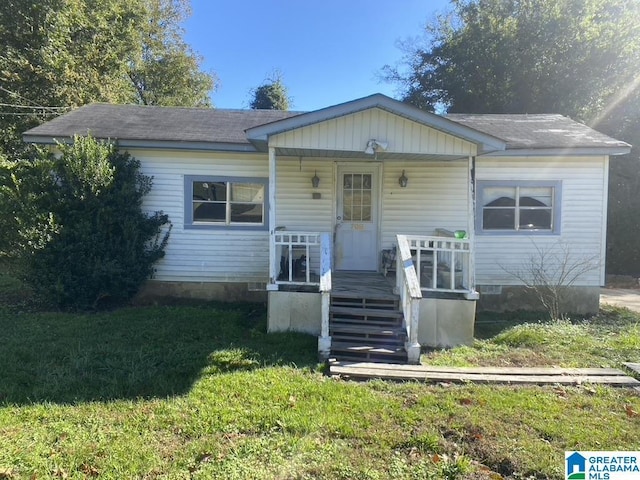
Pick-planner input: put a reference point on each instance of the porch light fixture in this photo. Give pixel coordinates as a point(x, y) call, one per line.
point(403, 180)
point(315, 180)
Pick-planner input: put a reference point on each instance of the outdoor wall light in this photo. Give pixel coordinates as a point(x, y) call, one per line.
point(315, 180)
point(403, 180)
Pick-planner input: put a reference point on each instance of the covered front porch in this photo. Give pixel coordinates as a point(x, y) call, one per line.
point(385, 315)
point(371, 187)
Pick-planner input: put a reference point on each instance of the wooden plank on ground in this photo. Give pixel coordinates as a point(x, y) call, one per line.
point(611, 377)
point(489, 370)
point(634, 367)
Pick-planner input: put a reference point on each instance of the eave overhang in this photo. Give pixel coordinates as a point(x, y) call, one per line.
point(152, 144)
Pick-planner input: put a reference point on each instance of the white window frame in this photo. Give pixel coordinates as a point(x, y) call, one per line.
point(189, 222)
point(556, 202)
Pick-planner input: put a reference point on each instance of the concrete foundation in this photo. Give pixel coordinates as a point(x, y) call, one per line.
point(295, 311)
point(156, 292)
point(446, 322)
point(578, 300)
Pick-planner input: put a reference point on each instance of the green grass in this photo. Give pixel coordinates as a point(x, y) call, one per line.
point(606, 340)
point(203, 392)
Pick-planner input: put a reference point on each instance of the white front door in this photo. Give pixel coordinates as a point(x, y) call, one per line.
point(356, 239)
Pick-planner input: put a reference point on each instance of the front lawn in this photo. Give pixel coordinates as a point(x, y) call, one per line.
point(204, 392)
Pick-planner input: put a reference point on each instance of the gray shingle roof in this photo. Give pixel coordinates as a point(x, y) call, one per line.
point(137, 122)
point(218, 126)
point(537, 131)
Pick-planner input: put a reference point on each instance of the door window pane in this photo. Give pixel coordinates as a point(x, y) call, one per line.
point(356, 197)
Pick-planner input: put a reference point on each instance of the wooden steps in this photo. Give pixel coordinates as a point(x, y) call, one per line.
point(366, 324)
point(509, 375)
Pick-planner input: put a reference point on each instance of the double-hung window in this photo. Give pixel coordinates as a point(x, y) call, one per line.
point(518, 207)
point(225, 202)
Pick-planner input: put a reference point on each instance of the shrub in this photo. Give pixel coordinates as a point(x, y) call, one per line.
point(77, 228)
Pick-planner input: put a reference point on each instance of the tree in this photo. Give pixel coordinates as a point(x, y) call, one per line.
point(59, 54)
point(73, 225)
point(516, 56)
point(166, 70)
point(271, 95)
point(579, 58)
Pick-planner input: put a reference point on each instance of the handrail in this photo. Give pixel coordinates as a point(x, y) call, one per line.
point(410, 296)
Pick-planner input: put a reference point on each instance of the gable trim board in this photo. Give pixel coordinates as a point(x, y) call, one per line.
point(442, 157)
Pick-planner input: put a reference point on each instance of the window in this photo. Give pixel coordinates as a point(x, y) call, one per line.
point(225, 201)
point(512, 206)
point(356, 194)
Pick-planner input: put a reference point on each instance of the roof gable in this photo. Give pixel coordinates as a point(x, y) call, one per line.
point(352, 131)
point(260, 135)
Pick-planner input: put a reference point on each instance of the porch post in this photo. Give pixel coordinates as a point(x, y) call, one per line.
point(324, 340)
point(471, 226)
point(273, 268)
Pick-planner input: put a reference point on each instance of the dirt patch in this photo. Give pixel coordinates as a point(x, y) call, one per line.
point(621, 297)
point(622, 281)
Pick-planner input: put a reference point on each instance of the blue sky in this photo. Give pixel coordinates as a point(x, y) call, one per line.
point(328, 51)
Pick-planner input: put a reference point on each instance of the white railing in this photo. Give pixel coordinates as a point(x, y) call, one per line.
point(410, 295)
point(304, 259)
point(443, 264)
point(296, 258)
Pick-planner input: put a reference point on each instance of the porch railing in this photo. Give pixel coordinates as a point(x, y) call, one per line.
point(297, 257)
point(410, 295)
point(443, 264)
point(304, 259)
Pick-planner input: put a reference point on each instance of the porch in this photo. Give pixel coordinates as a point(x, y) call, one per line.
point(374, 316)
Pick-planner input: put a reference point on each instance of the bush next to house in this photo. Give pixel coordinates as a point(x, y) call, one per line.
point(73, 226)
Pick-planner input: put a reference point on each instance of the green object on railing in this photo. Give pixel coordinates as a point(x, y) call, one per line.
point(460, 234)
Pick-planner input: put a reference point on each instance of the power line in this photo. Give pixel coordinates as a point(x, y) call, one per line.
point(30, 114)
point(32, 108)
point(35, 105)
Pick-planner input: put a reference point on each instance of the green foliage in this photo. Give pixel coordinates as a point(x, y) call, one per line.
point(271, 95)
point(140, 393)
point(75, 227)
point(535, 56)
point(62, 54)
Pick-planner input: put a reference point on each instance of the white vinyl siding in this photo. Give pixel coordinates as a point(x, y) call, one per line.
point(204, 255)
point(583, 215)
point(296, 209)
point(436, 196)
point(351, 133)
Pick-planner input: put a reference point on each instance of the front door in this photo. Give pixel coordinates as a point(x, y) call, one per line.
point(356, 239)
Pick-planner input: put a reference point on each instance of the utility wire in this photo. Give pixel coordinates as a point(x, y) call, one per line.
point(29, 114)
point(31, 107)
point(35, 105)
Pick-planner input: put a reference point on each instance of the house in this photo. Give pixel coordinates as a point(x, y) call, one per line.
point(372, 224)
